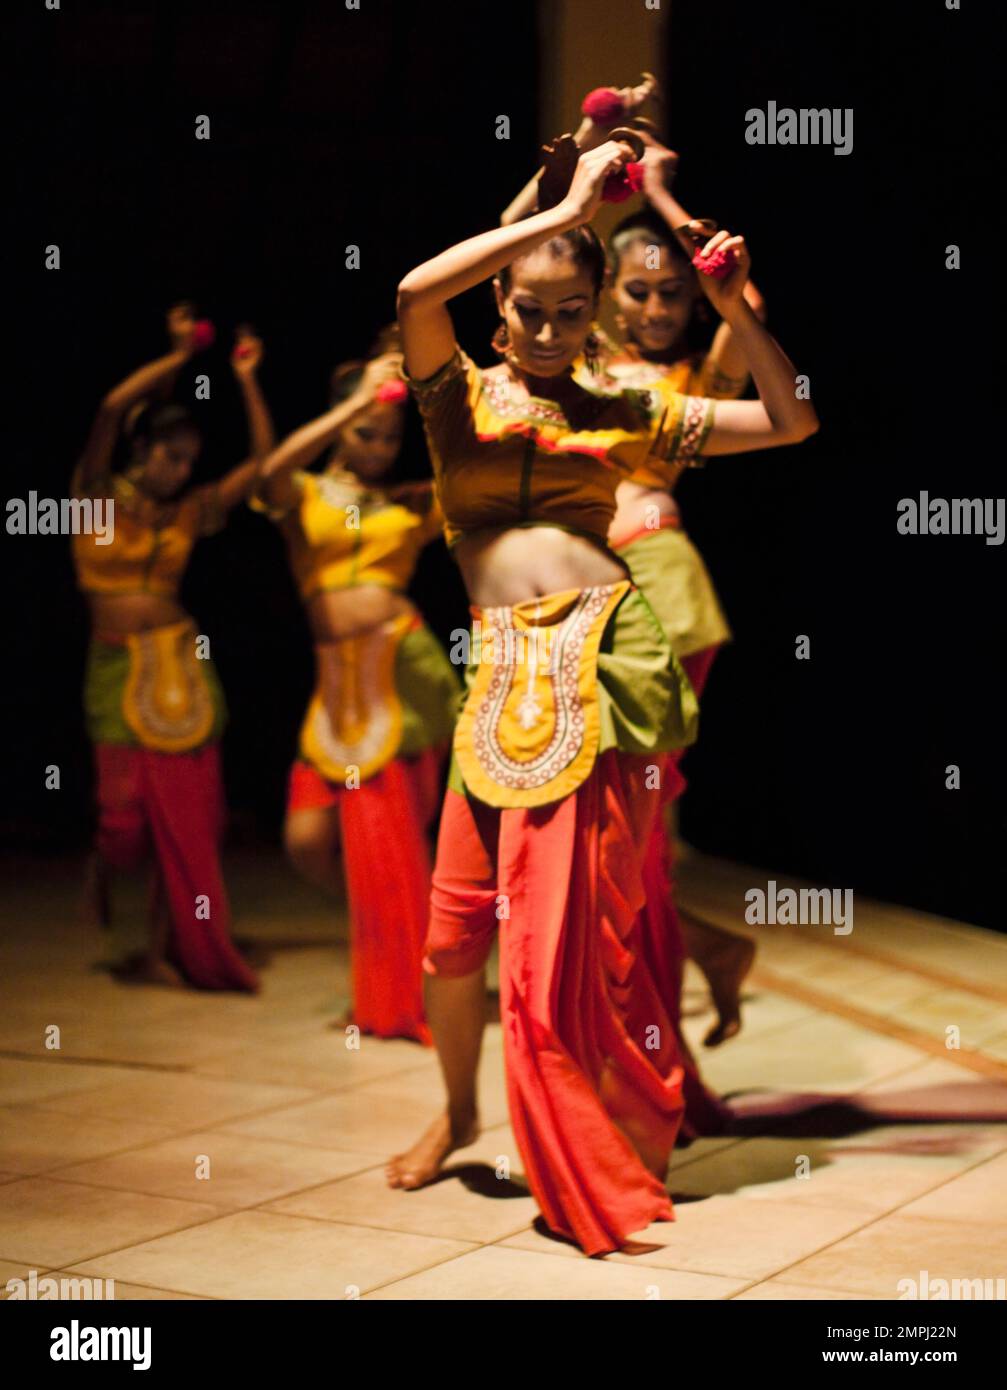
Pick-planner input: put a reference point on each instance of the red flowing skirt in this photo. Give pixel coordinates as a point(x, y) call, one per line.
point(594, 1071)
point(383, 827)
point(175, 802)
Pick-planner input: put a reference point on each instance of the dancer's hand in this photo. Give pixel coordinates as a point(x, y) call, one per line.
point(246, 357)
point(593, 168)
point(595, 128)
point(559, 164)
point(727, 293)
point(387, 367)
point(635, 97)
point(660, 164)
point(181, 323)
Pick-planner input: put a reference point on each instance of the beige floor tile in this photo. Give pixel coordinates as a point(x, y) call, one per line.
point(891, 992)
point(823, 1053)
point(875, 1172)
point(829, 969)
point(762, 1012)
point(383, 1116)
point(262, 1255)
point(26, 1082)
point(126, 1293)
point(16, 1269)
point(501, 1272)
point(175, 1100)
point(319, 1060)
point(61, 1223)
point(874, 1260)
point(920, 1077)
point(355, 1120)
point(427, 1084)
point(242, 1171)
point(33, 1140)
point(103, 1032)
point(975, 1018)
point(978, 1195)
point(779, 1291)
point(723, 1235)
point(469, 1202)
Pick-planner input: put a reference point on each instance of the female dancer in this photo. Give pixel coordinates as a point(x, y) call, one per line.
point(575, 695)
point(657, 291)
point(376, 733)
point(660, 301)
point(153, 704)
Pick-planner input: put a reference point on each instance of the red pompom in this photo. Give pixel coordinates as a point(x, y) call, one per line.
point(623, 183)
point(604, 106)
point(204, 335)
point(391, 392)
point(719, 263)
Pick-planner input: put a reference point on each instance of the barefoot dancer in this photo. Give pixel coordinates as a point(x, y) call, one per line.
point(155, 710)
point(660, 300)
point(575, 695)
point(658, 293)
point(376, 733)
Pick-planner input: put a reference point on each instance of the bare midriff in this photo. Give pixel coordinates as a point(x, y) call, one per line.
point(120, 615)
point(507, 565)
point(636, 507)
point(337, 613)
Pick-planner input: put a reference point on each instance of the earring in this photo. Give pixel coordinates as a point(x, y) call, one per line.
point(500, 342)
point(592, 352)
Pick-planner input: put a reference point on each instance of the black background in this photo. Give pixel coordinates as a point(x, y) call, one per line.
point(376, 128)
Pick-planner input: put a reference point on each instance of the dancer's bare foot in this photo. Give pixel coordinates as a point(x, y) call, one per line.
point(344, 1019)
point(148, 970)
point(421, 1164)
point(725, 960)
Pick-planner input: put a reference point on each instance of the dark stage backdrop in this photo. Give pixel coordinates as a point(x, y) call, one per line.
point(332, 127)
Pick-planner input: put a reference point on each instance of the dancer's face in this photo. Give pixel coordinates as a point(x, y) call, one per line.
point(370, 443)
point(548, 308)
point(655, 300)
point(168, 463)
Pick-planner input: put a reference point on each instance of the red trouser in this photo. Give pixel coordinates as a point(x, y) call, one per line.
point(176, 800)
point(594, 1076)
point(383, 824)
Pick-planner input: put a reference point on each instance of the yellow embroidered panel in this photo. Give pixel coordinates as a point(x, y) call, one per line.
point(354, 721)
point(166, 701)
point(528, 734)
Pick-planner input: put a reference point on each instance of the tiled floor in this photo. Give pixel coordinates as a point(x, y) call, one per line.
point(193, 1146)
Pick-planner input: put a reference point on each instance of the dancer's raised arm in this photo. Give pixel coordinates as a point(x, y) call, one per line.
point(591, 133)
point(96, 458)
point(275, 486)
point(238, 484)
point(428, 337)
point(779, 416)
point(725, 366)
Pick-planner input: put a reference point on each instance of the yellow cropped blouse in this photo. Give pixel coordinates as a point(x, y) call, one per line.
point(142, 558)
point(691, 376)
point(500, 460)
point(341, 534)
